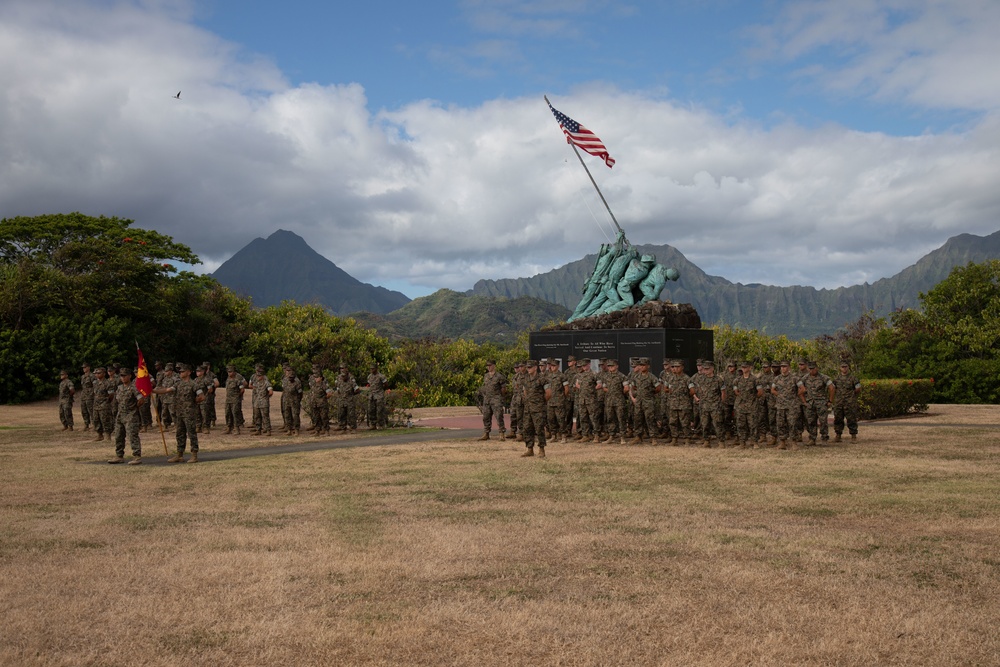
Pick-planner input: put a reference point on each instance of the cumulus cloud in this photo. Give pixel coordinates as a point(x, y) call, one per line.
point(430, 195)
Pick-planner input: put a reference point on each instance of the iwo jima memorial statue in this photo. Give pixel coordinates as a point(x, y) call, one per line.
point(620, 315)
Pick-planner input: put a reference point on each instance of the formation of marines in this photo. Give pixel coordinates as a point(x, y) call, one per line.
point(183, 400)
point(594, 401)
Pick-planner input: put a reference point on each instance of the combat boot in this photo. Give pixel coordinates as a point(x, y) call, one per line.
point(136, 460)
point(117, 459)
point(179, 458)
point(295, 431)
point(268, 433)
point(194, 457)
point(255, 432)
point(563, 439)
point(621, 441)
point(637, 440)
point(198, 430)
point(854, 436)
point(837, 438)
point(541, 452)
point(596, 438)
point(530, 451)
point(484, 436)
point(812, 442)
point(229, 429)
point(237, 430)
point(674, 441)
point(503, 436)
point(520, 437)
point(100, 436)
point(783, 444)
point(795, 446)
point(706, 443)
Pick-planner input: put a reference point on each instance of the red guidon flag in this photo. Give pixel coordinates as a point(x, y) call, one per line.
point(142, 381)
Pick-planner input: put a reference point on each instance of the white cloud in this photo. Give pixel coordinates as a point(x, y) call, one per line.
point(441, 196)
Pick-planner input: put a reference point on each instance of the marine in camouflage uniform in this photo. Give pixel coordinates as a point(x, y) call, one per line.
point(642, 392)
point(187, 394)
point(66, 392)
point(167, 399)
point(203, 417)
point(748, 391)
point(347, 390)
point(695, 405)
point(377, 386)
point(569, 408)
point(845, 402)
point(87, 396)
point(680, 389)
point(260, 400)
point(291, 401)
point(236, 385)
point(516, 401)
point(785, 390)
point(104, 387)
point(599, 396)
point(155, 401)
point(492, 391)
point(208, 406)
point(127, 420)
point(800, 419)
point(662, 403)
point(555, 407)
point(614, 387)
point(710, 395)
point(319, 402)
point(586, 402)
point(816, 391)
point(535, 393)
point(729, 408)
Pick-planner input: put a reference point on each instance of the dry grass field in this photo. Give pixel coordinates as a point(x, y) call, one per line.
point(883, 552)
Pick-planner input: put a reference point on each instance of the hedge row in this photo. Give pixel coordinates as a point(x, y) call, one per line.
point(880, 399)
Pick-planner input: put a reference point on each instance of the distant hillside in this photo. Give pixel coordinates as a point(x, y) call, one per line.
point(448, 314)
point(283, 266)
point(799, 312)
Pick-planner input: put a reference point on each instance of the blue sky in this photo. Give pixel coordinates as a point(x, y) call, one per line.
point(409, 143)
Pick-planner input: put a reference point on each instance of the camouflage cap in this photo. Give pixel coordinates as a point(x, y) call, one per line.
point(168, 367)
point(100, 369)
point(531, 363)
point(802, 362)
point(731, 364)
point(708, 364)
point(519, 364)
point(201, 369)
point(259, 368)
point(776, 364)
point(230, 368)
point(782, 363)
point(64, 372)
point(845, 364)
point(183, 367)
point(491, 362)
point(644, 361)
point(612, 362)
point(676, 362)
point(583, 362)
point(570, 358)
point(746, 364)
point(125, 371)
point(811, 364)
point(85, 365)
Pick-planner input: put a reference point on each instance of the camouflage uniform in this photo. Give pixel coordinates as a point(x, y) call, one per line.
point(613, 386)
point(187, 394)
point(377, 386)
point(845, 402)
point(492, 390)
point(729, 408)
point(747, 392)
point(127, 420)
point(534, 390)
point(87, 397)
point(347, 389)
point(167, 399)
point(291, 402)
point(711, 393)
point(569, 401)
point(155, 400)
point(319, 402)
point(555, 408)
point(517, 400)
point(66, 391)
point(236, 384)
point(260, 400)
point(800, 418)
point(203, 417)
point(104, 421)
point(599, 396)
point(642, 391)
point(815, 390)
point(679, 401)
point(586, 401)
point(786, 392)
point(208, 405)
point(662, 403)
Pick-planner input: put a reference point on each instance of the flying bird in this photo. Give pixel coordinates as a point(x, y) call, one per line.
point(178, 95)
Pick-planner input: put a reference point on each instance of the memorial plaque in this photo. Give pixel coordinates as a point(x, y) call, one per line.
point(625, 345)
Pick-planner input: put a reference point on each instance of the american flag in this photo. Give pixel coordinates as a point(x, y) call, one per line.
point(580, 136)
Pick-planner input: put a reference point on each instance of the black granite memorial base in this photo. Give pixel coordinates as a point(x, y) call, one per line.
point(625, 345)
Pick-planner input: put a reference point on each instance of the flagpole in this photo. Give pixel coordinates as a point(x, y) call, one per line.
point(599, 193)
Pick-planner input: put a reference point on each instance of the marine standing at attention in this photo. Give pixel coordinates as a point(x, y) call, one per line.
point(127, 420)
point(536, 394)
point(492, 391)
